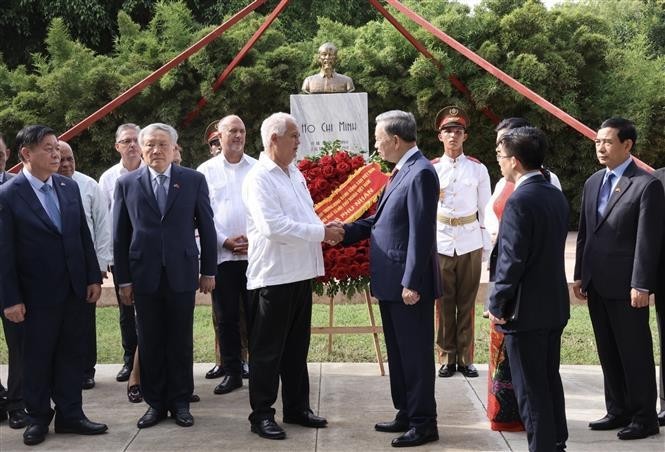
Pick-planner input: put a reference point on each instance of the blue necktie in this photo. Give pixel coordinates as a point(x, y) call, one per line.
point(604, 195)
point(160, 193)
point(51, 206)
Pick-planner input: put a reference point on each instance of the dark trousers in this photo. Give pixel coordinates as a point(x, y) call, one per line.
point(625, 349)
point(165, 321)
point(279, 332)
point(127, 328)
point(14, 339)
point(53, 361)
point(660, 321)
point(409, 335)
point(90, 331)
point(229, 294)
point(534, 358)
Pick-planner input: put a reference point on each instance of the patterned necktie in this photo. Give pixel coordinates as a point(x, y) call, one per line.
point(160, 193)
point(51, 206)
point(392, 177)
point(604, 195)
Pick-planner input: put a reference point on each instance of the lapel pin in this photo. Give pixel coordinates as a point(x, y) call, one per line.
point(176, 186)
point(618, 190)
point(62, 184)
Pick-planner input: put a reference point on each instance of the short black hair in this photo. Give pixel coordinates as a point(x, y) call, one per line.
point(512, 123)
point(30, 136)
point(626, 128)
point(526, 144)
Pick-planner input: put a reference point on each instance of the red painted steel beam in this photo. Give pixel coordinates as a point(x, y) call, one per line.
point(454, 80)
point(150, 79)
point(238, 58)
point(496, 72)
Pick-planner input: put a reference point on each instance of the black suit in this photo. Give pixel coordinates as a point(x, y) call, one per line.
point(403, 254)
point(660, 303)
point(14, 339)
point(615, 253)
point(530, 287)
point(49, 272)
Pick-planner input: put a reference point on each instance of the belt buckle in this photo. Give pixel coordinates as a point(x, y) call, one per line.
point(455, 221)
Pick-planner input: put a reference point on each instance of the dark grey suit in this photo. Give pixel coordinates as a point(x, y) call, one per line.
point(660, 302)
point(615, 253)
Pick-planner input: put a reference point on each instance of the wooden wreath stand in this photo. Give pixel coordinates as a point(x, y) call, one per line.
point(372, 328)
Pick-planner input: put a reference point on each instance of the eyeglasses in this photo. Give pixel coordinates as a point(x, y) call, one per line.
point(214, 142)
point(128, 141)
point(161, 146)
point(499, 157)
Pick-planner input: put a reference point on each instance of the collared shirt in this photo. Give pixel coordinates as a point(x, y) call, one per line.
point(407, 155)
point(107, 185)
point(3, 177)
point(36, 185)
point(464, 191)
point(97, 216)
point(618, 172)
point(155, 181)
point(525, 176)
point(284, 232)
point(225, 186)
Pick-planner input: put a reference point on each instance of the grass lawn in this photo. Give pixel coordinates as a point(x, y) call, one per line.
point(578, 345)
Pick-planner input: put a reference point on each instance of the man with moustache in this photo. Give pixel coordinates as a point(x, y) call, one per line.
point(225, 174)
point(404, 276)
point(98, 220)
point(462, 242)
point(157, 211)
point(284, 254)
point(126, 144)
point(618, 245)
point(47, 275)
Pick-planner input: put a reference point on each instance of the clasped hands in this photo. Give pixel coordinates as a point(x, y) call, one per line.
point(237, 245)
point(334, 232)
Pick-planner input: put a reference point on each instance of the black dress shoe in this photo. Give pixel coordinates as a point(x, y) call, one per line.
point(245, 369)
point(636, 430)
point(661, 418)
point(560, 446)
point(609, 422)
point(150, 418)
point(447, 370)
point(34, 434)
point(183, 417)
point(88, 383)
point(228, 384)
point(18, 419)
point(215, 372)
point(306, 419)
point(268, 428)
point(134, 394)
point(394, 426)
point(83, 426)
point(123, 375)
point(416, 437)
point(194, 398)
point(469, 371)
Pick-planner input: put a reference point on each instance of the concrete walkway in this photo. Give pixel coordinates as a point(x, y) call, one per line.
point(351, 396)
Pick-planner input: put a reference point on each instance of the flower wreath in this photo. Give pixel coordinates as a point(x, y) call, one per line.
point(346, 267)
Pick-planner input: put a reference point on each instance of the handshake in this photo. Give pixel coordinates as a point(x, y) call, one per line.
point(334, 232)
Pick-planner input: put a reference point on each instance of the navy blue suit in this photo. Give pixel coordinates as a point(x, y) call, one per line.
point(615, 253)
point(49, 272)
point(403, 255)
point(159, 257)
point(530, 287)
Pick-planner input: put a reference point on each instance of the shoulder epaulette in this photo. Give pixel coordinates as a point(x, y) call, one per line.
point(473, 159)
point(435, 161)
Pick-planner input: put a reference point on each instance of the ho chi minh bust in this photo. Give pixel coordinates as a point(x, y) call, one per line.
point(327, 80)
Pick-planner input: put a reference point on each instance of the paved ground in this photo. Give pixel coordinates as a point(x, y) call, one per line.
point(352, 396)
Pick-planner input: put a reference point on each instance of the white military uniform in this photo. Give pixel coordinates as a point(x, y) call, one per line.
point(461, 243)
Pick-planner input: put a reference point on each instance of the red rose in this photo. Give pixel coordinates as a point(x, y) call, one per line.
point(321, 184)
point(328, 170)
point(354, 270)
point(357, 162)
point(350, 251)
point(314, 172)
point(341, 156)
point(343, 168)
point(326, 160)
point(305, 164)
point(364, 269)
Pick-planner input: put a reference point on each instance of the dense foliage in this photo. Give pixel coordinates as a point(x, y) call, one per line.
point(593, 59)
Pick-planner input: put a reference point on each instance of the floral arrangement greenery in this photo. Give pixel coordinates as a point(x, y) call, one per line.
point(346, 267)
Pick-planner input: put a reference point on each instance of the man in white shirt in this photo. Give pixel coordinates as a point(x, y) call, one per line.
point(127, 145)
point(284, 254)
point(225, 174)
point(461, 241)
point(99, 222)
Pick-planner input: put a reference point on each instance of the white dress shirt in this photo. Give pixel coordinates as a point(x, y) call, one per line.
point(97, 216)
point(107, 184)
point(465, 190)
point(36, 185)
point(225, 186)
point(284, 232)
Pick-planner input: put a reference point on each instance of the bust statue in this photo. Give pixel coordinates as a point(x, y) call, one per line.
point(327, 80)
